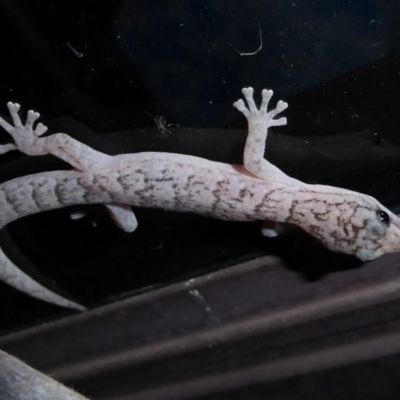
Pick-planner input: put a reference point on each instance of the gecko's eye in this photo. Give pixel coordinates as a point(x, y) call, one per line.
point(383, 217)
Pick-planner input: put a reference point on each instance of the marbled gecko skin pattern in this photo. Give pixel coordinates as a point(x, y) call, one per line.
point(343, 220)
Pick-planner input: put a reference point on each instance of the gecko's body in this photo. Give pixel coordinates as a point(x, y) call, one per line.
point(342, 220)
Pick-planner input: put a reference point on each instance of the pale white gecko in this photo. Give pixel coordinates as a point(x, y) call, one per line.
point(343, 220)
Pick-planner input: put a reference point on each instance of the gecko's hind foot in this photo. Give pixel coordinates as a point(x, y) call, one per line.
point(31, 118)
point(13, 107)
point(40, 129)
point(24, 135)
point(5, 148)
point(253, 114)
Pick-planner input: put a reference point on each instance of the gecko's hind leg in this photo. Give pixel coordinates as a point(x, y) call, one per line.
point(80, 156)
point(123, 216)
point(259, 120)
point(28, 140)
point(5, 148)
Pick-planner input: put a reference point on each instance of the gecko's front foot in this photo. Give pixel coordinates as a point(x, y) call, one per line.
point(261, 115)
point(24, 136)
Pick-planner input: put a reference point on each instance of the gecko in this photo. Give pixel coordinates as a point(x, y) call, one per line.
point(344, 221)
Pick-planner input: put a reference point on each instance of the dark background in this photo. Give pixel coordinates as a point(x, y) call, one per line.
point(105, 64)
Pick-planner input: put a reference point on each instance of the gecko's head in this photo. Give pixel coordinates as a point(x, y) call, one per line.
point(353, 223)
point(380, 233)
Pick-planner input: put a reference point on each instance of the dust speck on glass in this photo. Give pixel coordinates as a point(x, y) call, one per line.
point(131, 77)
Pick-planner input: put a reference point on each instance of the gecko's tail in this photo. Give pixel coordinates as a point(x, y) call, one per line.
point(13, 276)
point(29, 195)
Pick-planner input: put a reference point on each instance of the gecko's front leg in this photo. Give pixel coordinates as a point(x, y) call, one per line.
point(259, 120)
